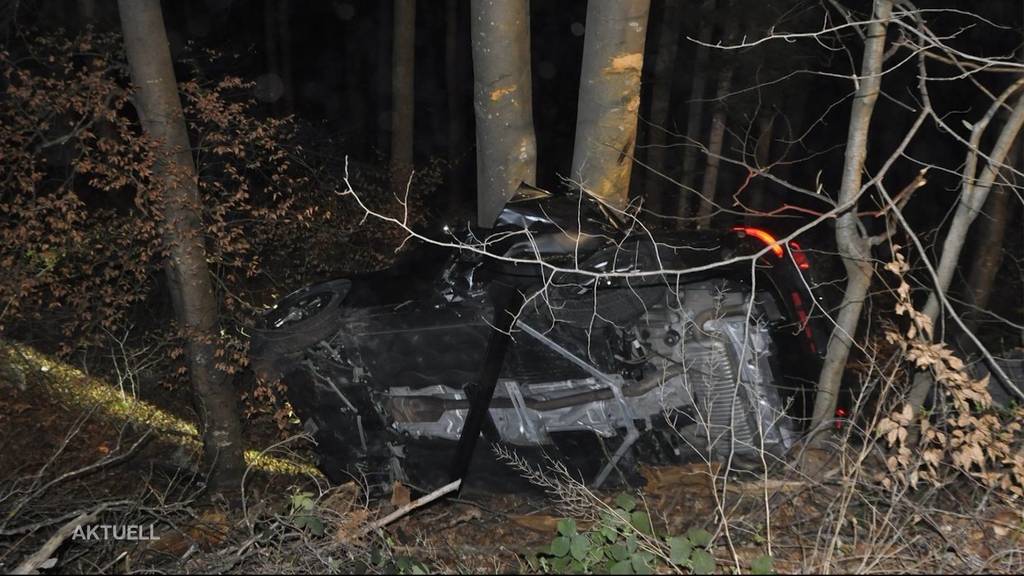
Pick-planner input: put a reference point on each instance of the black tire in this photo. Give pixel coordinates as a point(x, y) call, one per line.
point(298, 321)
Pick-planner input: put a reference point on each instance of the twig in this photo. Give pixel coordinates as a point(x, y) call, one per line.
point(33, 562)
point(422, 501)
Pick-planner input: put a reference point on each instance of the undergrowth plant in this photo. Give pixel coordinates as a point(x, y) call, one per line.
point(624, 541)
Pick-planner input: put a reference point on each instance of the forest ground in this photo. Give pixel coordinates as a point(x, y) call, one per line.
point(59, 421)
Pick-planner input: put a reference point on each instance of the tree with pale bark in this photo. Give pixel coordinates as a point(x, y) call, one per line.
point(609, 98)
point(188, 275)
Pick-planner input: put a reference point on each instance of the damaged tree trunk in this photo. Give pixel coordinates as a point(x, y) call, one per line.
point(606, 117)
point(506, 146)
point(160, 112)
point(854, 247)
point(403, 54)
point(695, 116)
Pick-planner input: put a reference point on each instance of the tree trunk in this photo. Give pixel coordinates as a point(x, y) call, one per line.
point(285, 38)
point(162, 119)
point(453, 82)
point(270, 31)
point(972, 199)
point(695, 117)
point(403, 56)
point(757, 202)
point(86, 12)
point(854, 248)
point(606, 117)
point(716, 139)
point(989, 257)
point(506, 148)
point(661, 106)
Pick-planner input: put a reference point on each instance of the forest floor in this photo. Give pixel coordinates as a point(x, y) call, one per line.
point(71, 442)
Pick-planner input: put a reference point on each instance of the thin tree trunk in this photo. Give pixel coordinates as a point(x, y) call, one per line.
point(854, 248)
point(506, 146)
point(160, 112)
point(972, 199)
point(989, 255)
point(716, 139)
point(453, 89)
point(86, 12)
point(985, 266)
point(661, 105)
point(762, 156)
point(695, 117)
point(285, 37)
point(606, 117)
point(270, 32)
point(403, 56)
point(383, 76)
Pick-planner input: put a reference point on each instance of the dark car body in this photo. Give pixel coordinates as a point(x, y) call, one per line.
point(557, 330)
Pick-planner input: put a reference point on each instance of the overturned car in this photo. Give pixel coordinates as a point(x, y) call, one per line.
point(562, 331)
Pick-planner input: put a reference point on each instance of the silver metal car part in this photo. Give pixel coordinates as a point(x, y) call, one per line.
point(714, 361)
point(614, 383)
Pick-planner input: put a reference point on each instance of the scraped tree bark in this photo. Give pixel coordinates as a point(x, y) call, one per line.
point(854, 247)
point(506, 152)
point(716, 138)
point(160, 112)
point(695, 115)
point(403, 57)
point(669, 36)
point(606, 117)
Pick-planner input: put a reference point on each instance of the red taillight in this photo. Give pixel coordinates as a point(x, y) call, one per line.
point(801, 316)
point(763, 236)
point(840, 416)
point(799, 257)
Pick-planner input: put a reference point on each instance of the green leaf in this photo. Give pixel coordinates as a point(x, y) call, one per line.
point(316, 526)
point(609, 533)
point(640, 565)
point(611, 520)
point(702, 562)
point(642, 522)
point(578, 546)
point(762, 565)
point(560, 546)
point(625, 501)
point(566, 527)
point(561, 565)
point(623, 567)
point(311, 523)
point(618, 552)
point(631, 543)
point(679, 549)
point(699, 537)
